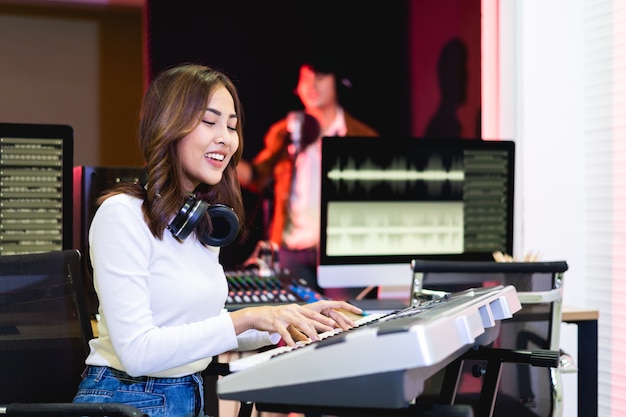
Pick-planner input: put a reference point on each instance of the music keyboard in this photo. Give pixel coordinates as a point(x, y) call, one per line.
point(249, 361)
point(381, 363)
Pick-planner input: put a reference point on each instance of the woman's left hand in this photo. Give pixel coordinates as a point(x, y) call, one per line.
point(343, 315)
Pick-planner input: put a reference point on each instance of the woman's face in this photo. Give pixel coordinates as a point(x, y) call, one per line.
point(206, 151)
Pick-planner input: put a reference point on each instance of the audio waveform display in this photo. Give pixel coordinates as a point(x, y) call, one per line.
point(397, 228)
point(398, 177)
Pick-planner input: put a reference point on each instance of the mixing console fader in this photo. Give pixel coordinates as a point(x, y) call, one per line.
point(247, 289)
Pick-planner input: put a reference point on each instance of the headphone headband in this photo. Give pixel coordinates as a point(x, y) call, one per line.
point(224, 221)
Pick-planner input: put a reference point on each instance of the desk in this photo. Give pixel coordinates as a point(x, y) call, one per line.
point(587, 322)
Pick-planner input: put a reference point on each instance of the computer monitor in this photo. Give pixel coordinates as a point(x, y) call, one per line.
point(386, 201)
point(35, 187)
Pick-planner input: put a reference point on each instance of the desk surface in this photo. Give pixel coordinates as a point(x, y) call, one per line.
point(571, 314)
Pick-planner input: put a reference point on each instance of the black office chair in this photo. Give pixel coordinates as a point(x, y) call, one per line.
point(70, 409)
point(44, 335)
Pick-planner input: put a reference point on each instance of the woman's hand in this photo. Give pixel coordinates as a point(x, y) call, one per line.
point(296, 322)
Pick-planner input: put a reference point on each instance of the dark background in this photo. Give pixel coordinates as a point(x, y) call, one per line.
point(414, 65)
point(259, 45)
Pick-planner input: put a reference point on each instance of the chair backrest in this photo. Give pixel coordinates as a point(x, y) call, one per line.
point(44, 326)
point(536, 326)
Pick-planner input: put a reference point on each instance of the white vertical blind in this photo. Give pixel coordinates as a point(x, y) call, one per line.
point(605, 188)
point(599, 185)
point(618, 313)
point(581, 128)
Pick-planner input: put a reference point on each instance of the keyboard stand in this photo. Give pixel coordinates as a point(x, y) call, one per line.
point(494, 358)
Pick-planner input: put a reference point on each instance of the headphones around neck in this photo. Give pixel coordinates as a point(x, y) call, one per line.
point(223, 219)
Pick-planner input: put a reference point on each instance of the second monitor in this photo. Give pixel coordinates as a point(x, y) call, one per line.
point(385, 201)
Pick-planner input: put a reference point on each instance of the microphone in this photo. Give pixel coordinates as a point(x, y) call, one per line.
point(303, 130)
point(295, 120)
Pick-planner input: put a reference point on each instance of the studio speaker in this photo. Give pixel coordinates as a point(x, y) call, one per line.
point(90, 182)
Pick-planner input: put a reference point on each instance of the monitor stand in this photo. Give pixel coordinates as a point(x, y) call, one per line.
point(390, 298)
point(394, 292)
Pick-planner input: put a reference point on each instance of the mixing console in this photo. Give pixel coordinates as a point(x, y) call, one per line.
point(247, 289)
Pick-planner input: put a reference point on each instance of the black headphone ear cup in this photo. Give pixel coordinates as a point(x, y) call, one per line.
point(225, 226)
point(188, 217)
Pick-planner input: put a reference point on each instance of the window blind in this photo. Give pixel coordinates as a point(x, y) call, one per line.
point(605, 190)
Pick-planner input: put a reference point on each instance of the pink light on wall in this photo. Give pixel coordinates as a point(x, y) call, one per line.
point(490, 69)
point(444, 47)
point(618, 291)
point(431, 25)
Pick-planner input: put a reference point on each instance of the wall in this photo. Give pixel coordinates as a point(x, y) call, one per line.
point(541, 108)
point(445, 68)
point(79, 66)
point(93, 78)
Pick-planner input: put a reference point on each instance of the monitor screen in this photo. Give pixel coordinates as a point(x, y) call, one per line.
point(35, 188)
point(386, 201)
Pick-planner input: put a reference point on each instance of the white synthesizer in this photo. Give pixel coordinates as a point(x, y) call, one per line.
point(381, 363)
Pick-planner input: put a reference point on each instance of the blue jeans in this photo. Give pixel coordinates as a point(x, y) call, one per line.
point(157, 397)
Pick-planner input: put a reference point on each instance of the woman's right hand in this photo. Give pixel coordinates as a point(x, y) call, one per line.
point(296, 322)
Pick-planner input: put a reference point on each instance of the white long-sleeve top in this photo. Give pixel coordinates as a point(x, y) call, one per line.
point(161, 301)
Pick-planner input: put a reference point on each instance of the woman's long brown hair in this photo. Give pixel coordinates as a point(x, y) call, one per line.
point(172, 107)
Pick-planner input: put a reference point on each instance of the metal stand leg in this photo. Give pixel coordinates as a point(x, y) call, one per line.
point(491, 375)
point(245, 409)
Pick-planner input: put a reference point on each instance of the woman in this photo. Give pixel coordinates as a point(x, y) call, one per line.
point(162, 296)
